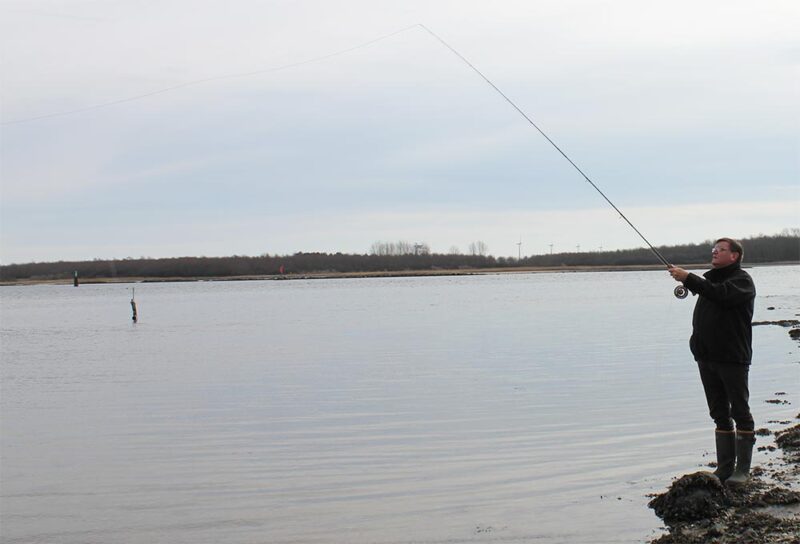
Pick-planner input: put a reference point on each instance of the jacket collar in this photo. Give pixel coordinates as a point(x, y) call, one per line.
point(724, 272)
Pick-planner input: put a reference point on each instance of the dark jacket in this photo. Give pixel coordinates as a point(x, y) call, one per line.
point(722, 326)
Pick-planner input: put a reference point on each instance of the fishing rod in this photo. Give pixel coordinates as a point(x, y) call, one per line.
point(680, 291)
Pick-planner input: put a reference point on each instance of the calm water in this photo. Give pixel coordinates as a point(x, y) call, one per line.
point(508, 408)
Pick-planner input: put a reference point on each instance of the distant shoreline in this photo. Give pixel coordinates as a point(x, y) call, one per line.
point(367, 274)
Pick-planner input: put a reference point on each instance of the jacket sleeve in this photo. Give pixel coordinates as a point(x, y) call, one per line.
point(731, 292)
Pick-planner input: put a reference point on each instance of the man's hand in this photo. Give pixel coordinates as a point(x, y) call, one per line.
point(678, 273)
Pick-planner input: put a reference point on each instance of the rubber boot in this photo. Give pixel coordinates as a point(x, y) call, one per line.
point(726, 454)
point(744, 456)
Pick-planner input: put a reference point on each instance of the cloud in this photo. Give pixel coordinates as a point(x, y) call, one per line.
point(663, 106)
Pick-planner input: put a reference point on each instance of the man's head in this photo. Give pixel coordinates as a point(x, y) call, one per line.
point(725, 252)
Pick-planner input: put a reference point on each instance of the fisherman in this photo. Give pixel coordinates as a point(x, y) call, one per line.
point(721, 343)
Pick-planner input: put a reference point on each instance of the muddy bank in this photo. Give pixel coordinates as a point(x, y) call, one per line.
point(698, 509)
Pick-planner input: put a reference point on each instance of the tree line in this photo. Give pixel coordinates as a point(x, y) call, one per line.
point(385, 257)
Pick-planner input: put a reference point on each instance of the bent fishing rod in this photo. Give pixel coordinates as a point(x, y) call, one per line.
point(680, 291)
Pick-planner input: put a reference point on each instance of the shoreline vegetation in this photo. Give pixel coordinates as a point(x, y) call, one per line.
point(387, 260)
point(365, 274)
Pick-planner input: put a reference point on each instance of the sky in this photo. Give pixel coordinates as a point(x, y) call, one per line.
point(174, 128)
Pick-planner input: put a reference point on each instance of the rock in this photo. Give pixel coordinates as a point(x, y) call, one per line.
point(789, 439)
point(692, 497)
point(779, 322)
point(778, 495)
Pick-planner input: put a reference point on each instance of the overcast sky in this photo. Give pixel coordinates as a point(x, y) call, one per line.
point(685, 113)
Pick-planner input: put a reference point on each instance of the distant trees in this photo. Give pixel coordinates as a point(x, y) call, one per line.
point(478, 248)
point(399, 248)
point(396, 256)
point(784, 247)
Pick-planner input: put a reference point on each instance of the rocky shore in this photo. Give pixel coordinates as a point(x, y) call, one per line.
point(698, 509)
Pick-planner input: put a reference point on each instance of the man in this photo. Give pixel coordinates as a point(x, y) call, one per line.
point(721, 343)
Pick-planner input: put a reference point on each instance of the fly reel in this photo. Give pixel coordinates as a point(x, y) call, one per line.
point(681, 292)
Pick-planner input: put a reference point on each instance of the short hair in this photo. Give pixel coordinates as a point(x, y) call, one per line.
point(736, 247)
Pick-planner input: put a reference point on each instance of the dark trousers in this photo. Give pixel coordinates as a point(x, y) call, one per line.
point(727, 394)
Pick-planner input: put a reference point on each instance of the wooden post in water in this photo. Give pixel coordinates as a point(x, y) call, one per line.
point(133, 304)
point(75, 279)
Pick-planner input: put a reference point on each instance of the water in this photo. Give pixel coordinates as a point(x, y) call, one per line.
point(499, 408)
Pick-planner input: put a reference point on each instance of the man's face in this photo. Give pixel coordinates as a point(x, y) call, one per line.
point(721, 255)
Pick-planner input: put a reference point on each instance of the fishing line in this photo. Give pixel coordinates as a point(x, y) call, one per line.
point(534, 125)
point(207, 80)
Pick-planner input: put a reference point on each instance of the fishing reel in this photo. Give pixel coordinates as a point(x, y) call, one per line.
point(681, 292)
